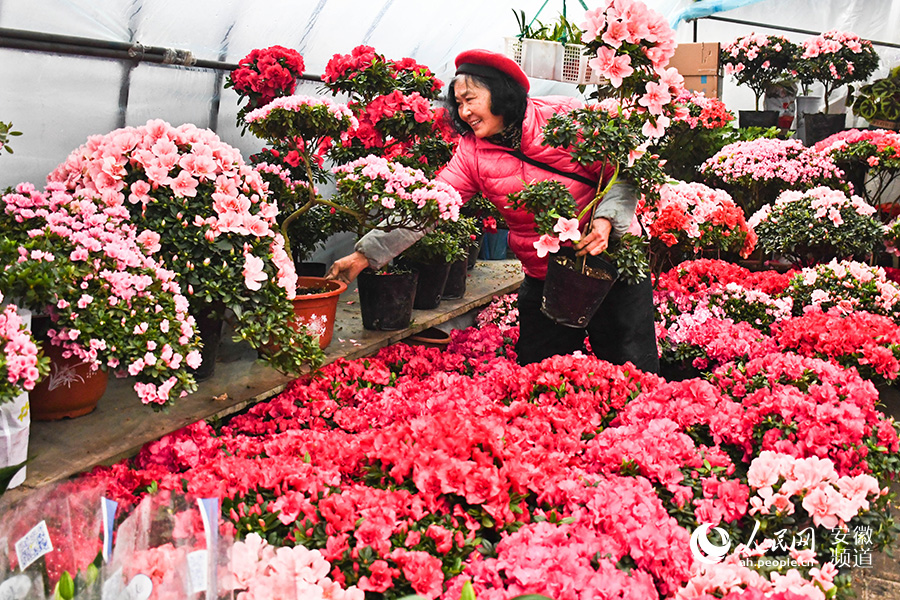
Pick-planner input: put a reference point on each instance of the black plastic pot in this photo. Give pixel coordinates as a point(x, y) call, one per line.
point(430, 287)
point(820, 125)
point(456, 280)
point(758, 118)
point(386, 299)
point(571, 298)
point(209, 329)
point(474, 251)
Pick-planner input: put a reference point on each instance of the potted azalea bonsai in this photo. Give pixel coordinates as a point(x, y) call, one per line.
point(691, 221)
point(98, 298)
point(435, 255)
point(816, 226)
point(206, 215)
point(757, 60)
point(386, 195)
point(834, 59)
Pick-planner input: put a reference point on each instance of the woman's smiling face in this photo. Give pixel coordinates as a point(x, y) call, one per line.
point(474, 106)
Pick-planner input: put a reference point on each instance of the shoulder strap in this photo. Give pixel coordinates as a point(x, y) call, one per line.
point(542, 165)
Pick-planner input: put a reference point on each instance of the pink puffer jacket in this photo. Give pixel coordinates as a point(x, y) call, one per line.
point(480, 166)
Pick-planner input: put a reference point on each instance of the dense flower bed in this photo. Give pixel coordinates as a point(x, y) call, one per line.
point(417, 471)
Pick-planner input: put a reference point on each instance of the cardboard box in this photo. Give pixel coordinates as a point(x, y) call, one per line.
point(710, 85)
point(701, 58)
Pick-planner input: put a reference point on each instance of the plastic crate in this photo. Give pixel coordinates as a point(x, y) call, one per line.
point(538, 58)
point(575, 68)
point(513, 49)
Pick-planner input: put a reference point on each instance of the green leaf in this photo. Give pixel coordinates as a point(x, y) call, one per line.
point(65, 587)
point(468, 592)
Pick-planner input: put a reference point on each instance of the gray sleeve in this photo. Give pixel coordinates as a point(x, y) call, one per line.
point(381, 246)
point(618, 207)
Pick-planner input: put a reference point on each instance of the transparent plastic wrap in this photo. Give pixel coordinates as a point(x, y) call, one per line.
point(51, 539)
point(169, 547)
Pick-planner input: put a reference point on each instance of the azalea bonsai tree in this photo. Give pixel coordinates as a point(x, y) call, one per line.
point(756, 170)
point(84, 265)
point(692, 219)
point(392, 101)
point(206, 214)
point(299, 129)
point(834, 58)
point(386, 195)
point(757, 60)
point(870, 159)
point(817, 225)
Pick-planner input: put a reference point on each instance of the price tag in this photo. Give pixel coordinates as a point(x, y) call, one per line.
point(197, 565)
point(15, 588)
point(33, 545)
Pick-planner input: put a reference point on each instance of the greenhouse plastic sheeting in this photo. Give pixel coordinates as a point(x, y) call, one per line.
point(58, 100)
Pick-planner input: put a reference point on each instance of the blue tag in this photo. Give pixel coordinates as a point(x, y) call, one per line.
point(108, 510)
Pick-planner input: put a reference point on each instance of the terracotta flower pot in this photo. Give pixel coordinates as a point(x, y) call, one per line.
point(71, 389)
point(431, 338)
point(315, 307)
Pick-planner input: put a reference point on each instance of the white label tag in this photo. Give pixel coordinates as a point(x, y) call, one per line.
point(197, 565)
point(139, 588)
point(33, 545)
point(15, 588)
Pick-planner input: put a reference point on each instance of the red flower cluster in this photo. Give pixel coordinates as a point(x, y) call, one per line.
point(265, 74)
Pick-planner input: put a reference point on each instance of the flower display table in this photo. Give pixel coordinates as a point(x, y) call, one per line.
point(121, 424)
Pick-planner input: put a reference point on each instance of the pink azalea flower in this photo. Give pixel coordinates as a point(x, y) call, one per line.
point(546, 244)
point(567, 230)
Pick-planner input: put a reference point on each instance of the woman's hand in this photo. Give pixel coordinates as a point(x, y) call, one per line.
point(597, 240)
point(346, 269)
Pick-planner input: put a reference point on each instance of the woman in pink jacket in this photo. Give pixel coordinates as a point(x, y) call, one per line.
point(500, 150)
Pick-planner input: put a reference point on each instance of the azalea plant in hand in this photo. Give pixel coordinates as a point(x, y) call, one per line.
point(690, 219)
point(834, 58)
point(756, 60)
point(630, 46)
point(817, 225)
point(82, 263)
point(207, 216)
point(557, 219)
point(263, 75)
point(21, 363)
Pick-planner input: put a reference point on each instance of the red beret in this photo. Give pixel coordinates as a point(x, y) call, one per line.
point(480, 62)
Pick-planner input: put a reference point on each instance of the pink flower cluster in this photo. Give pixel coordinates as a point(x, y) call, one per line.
point(118, 307)
point(781, 480)
point(140, 167)
point(502, 312)
point(390, 188)
point(704, 113)
point(19, 366)
point(732, 580)
point(697, 217)
point(621, 25)
point(824, 203)
point(769, 159)
point(847, 286)
point(259, 571)
point(298, 103)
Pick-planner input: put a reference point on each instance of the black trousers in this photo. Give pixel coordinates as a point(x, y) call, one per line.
point(622, 330)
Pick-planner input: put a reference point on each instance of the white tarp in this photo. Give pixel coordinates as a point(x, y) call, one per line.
point(57, 101)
